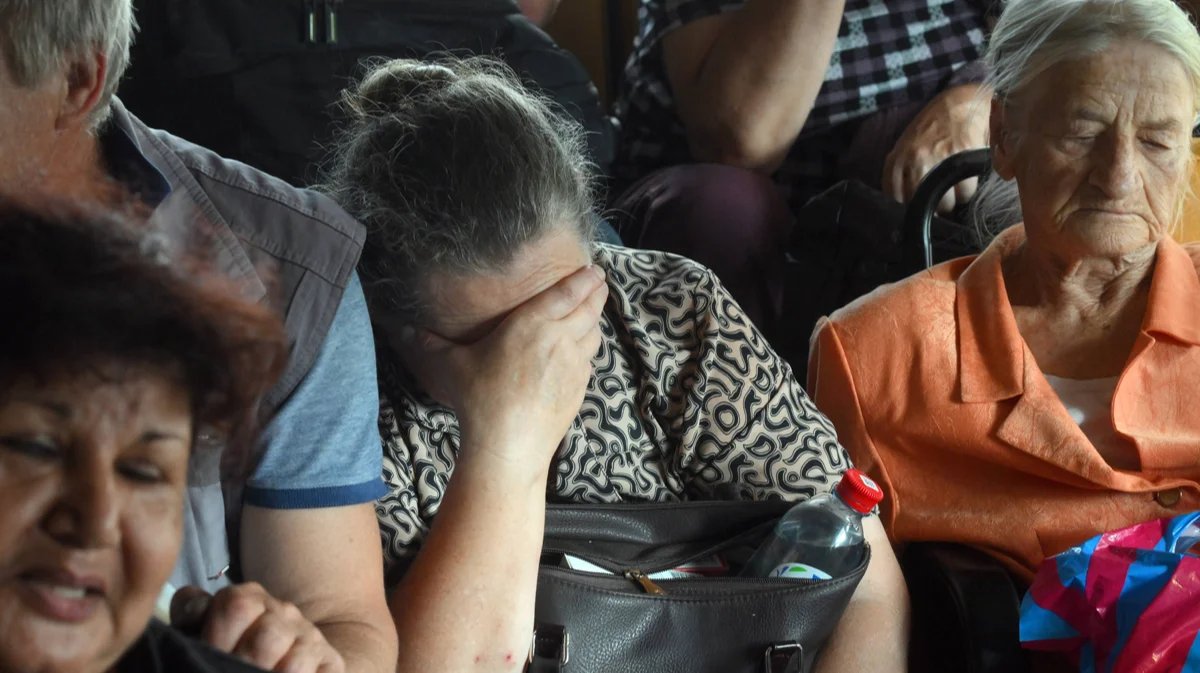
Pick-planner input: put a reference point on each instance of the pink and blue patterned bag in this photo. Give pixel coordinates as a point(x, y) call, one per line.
point(1123, 602)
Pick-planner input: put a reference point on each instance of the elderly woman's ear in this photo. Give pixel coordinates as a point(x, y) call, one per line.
point(1000, 140)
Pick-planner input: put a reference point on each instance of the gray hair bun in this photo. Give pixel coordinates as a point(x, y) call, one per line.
point(393, 85)
point(453, 167)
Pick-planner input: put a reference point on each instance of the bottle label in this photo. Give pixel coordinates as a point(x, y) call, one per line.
point(798, 571)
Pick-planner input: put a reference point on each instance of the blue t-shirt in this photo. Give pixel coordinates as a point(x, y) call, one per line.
point(322, 448)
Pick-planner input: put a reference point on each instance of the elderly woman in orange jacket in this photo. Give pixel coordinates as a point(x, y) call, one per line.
point(1028, 398)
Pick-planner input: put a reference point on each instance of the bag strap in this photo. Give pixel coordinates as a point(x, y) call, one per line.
point(550, 650)
point(784, 658)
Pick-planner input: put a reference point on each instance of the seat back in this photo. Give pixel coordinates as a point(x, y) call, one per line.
point(918, 216)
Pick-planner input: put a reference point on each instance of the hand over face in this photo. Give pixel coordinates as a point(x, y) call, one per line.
point(521, 385)
point(955, 121)
point(247, 622)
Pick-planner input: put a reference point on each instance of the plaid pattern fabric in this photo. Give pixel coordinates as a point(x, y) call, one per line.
point(887, 54)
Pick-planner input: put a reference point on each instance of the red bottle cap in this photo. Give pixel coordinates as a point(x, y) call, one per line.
point(858, 491)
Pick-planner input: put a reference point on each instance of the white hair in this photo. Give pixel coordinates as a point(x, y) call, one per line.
point(1033, 35)
point(42, 36)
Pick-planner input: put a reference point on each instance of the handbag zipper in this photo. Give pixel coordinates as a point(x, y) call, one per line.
point(614, 564)
point(642, 580)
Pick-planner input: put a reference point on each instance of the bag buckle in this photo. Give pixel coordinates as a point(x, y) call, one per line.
point(550, 644)
point(783, 658)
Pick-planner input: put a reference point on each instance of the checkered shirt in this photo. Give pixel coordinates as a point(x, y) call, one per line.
point(887, 54)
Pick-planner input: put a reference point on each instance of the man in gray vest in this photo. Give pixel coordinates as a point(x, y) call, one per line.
point(282, 565)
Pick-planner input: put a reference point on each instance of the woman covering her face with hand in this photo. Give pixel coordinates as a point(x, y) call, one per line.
point(520, 361)
point(111, 364)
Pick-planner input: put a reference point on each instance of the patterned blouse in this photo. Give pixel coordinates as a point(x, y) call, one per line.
point(687, 402)
point(888, 53)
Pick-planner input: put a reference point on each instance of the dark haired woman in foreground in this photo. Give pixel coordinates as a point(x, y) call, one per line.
point(111, 364)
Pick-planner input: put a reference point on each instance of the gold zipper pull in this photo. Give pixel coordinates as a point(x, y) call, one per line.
point(644, 582)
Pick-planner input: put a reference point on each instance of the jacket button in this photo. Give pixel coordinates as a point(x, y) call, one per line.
point(1169, 497)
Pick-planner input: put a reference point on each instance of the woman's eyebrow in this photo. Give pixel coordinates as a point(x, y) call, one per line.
point(150, 436)
point(60, 409)
point(1091, 115)
point(1162, 125)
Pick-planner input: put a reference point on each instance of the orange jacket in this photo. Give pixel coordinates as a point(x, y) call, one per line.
point(935, 394)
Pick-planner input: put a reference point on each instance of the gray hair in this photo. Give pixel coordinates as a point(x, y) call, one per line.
point(42, 36)
point(1033, 35)
point(453, 167)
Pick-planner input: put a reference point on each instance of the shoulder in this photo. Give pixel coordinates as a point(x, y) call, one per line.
point(295, 225)
point(635, 268)
point(899, 331)
point(649, 283)
point(672, 315)
point(904, 306)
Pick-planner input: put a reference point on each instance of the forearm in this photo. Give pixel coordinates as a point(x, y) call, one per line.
point(327, 563)
point(466, 603)
point(366, 647)
point(873, 632)
point(753, 91)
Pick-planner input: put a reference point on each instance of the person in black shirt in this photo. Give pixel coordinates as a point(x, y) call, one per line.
point(259, 81)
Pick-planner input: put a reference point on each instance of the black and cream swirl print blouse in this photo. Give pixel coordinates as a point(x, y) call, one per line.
point(687, 401)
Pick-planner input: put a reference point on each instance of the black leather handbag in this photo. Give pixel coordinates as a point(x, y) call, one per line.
point(625, 622)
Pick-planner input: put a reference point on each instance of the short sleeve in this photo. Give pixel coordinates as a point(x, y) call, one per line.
point(748, 421)
point(322, 447)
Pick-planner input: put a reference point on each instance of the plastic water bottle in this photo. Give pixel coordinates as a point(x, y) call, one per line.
point(819, 538)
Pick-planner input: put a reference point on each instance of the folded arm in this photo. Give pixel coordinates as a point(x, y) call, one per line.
point(745, 81)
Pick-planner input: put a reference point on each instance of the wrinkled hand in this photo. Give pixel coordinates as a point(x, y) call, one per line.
point(955, 121)
point(247, 622)
point(522, 385)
